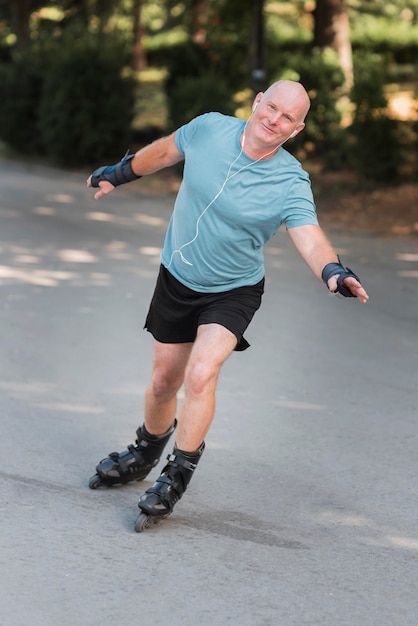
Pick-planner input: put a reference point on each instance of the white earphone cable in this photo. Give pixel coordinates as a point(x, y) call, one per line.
point(228, 177)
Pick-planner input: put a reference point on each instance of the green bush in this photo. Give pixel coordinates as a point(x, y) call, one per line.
point(193, 96)
point(21, 91)
point(368, 91)
point(87, 106)
point(192, 88)
point(322, 77)
point(68, 101)
point(376, 151)
point(184, 60)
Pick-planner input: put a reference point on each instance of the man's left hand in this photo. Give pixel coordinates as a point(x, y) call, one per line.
point(350, 283)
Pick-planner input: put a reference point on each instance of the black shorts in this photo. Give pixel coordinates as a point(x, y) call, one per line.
point(176, 311)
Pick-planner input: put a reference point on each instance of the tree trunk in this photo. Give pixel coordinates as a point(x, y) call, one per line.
point(21, 12)
point(258, 43)
point(332, 30)
point(139, 58)
point(199, 16)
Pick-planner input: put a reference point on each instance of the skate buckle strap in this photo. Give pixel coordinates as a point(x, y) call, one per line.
point(174, 458)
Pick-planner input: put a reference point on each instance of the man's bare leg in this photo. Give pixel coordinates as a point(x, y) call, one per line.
point(211, 348)
point(198, 366)
point(213, 345)
point(137, 461)
point(167, 377)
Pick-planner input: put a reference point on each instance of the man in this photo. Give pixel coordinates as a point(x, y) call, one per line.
point(238, 187)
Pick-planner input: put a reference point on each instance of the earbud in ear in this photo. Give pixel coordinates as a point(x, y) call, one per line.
point(255, 106)
point(295, 132)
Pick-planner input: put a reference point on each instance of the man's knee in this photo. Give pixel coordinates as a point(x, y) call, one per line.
point(201, 378)
point(165, 384)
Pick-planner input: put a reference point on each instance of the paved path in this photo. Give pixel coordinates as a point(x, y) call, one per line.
point(304, 509)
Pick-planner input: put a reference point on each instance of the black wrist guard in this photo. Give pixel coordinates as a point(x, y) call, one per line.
point(332, 269)
point(115, 174)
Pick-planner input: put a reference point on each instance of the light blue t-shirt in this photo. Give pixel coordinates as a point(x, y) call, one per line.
point(228, 206)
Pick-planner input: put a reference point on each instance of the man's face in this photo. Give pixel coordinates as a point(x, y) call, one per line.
point(277, 115)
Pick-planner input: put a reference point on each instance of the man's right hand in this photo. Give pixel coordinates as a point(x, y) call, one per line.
point(107, 177)
point(104, 188)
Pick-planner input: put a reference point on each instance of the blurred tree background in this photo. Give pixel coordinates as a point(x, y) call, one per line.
point(81, 80)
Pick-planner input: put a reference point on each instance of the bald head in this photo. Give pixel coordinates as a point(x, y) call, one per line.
point(278, 114)
point(293, 94)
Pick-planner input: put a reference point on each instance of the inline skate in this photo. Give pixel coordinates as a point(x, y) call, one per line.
point(135, 463)
point(158, 501)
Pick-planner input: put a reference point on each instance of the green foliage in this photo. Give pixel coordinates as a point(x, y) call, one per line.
point(192, 87)
point(368, 92)
point(375, 150)
point(184, 60)
point(217, 42)
point(192, 96)
point(322, 77)
point(376, 154)
point(87, 105)
point(231, 39)
point(69, 102)
point(21, 87)
point(64, 95)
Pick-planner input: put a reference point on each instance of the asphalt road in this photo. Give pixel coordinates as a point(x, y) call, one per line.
point(304, 508)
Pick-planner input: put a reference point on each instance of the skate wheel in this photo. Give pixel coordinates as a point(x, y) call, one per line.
point(95, 482)
point(143, 521)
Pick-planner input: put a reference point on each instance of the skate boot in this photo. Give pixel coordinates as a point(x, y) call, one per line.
point(135, 463)
point(158, 501)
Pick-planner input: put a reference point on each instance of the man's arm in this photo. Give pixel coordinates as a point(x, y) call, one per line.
point(315, 249)
point(154, 157)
